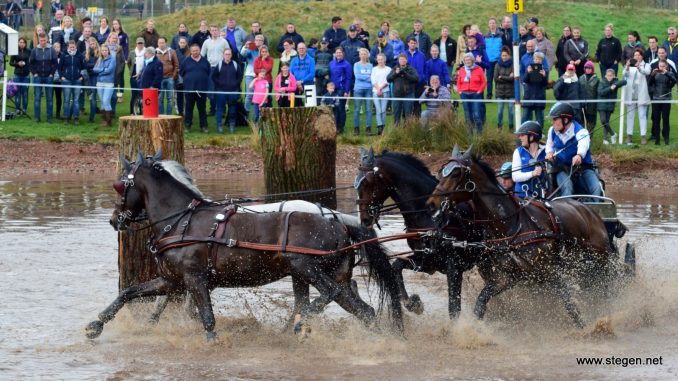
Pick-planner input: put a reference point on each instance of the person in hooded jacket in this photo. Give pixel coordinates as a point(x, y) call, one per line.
point(589, 83)
point(70, 69)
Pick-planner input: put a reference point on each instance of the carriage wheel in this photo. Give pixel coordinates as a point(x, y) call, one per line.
point(630, 259)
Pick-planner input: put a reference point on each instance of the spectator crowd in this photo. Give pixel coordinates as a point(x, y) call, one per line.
point(380, 72)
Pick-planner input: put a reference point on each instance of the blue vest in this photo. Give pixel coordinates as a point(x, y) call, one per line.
point(527, 165)
point(567, 150)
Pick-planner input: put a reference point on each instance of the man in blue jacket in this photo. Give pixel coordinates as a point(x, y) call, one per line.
point(303, 69)
point(341, 74)
point(227, 77)
point(70, 68)
point(335, 35)
point(43, 65)
point(195, 70)
point(417, 60)
point(352, 45)
point(494, 40)
point(438, 67)
point(382, 46)
point(568, 147)
point(151, 75)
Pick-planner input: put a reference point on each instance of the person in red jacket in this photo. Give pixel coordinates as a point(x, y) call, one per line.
point(471, 83)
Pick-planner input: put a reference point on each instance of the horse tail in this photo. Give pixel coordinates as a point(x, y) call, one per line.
point(380, 271)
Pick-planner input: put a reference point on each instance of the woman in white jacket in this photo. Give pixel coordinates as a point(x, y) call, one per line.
point(636, 95)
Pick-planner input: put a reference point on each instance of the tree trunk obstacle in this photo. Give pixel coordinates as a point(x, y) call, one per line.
point(299, 148)
point(135, 262)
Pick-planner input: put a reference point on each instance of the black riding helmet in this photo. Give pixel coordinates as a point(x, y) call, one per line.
point(562, 110)
point(532, 129)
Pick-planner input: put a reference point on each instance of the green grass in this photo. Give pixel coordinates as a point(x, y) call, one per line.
point(312, 18)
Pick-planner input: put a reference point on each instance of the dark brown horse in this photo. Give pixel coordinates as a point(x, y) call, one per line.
point(526, 239)
point(201, 245)
point(407, 181)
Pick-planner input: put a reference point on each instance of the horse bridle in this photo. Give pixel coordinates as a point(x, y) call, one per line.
point(373, 208)
point(126, 216)
point(447, 169)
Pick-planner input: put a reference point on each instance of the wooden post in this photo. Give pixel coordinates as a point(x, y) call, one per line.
point(135, 263)
point(299, 148)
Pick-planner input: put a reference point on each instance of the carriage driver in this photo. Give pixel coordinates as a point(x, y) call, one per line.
point(527, 161)
point(567, 147)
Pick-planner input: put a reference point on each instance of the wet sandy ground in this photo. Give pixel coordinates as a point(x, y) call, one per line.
point(58, 265)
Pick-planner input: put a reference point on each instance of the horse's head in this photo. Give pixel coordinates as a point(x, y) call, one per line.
point(456, 182)
point(371, 188)
point(130, 204)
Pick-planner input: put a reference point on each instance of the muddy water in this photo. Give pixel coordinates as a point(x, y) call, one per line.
point(58, 269)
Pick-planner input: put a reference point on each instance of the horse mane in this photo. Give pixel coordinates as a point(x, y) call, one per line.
point(487, 169)
point(179, 173)
point(409, 160)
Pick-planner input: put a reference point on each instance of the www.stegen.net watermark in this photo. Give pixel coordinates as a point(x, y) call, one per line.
point(621, 361)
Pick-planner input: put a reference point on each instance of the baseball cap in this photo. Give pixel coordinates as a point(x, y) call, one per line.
point(534, 20)
point(352, 28)
point(336, 18)
point(380, 34)
point(570, 67)
point(324, 40)
point(140, 40)
point(589, 64)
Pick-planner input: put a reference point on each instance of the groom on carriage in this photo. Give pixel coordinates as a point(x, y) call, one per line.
point(568, 150)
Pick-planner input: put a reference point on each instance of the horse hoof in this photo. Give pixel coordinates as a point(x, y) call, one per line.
point(212, 337)
point(302, 331)
point(415, 305)
point(94, 329)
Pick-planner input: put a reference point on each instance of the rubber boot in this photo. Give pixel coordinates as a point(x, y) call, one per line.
point(356, 131)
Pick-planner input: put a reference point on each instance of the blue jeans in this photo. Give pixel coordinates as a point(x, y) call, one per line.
point(106, 94)
point(538, 113)
point(603, 69)
point(21, 98)
point(357, 104)
point(166, 92)
point(583, 181)
point(402, 108)
point(473, 112)
point(489, 75)
point(380, 107)
point(71, 98)
point(248, 97)
point(226, 99)
point(37, 95)
point(500, 115)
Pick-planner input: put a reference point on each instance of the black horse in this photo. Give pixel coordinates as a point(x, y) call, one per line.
point(407, 181)
point(201, 245)
point(527, 239)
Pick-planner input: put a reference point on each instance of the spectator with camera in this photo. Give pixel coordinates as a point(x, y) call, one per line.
point(636, 96)
point(404, 79)
point(436, 97)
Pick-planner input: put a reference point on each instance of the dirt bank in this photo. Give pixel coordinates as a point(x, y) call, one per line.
point(36, 158)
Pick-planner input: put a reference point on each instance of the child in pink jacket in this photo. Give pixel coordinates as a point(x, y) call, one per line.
point(285, 85)
point(260, 89)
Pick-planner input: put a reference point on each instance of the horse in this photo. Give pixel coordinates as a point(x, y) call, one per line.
point(525, 239)
point(200, 245)
point(407, 181)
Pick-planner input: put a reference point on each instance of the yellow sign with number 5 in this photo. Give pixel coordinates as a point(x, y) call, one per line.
point(514, 6)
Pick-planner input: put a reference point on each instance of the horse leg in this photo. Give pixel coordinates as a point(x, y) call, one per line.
point(454, 281)
point(160, 306)
point(301, 301)
point(491, 289)
point(564, 293)
point(157, 286)
point(413, 303)
point(197, 289)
